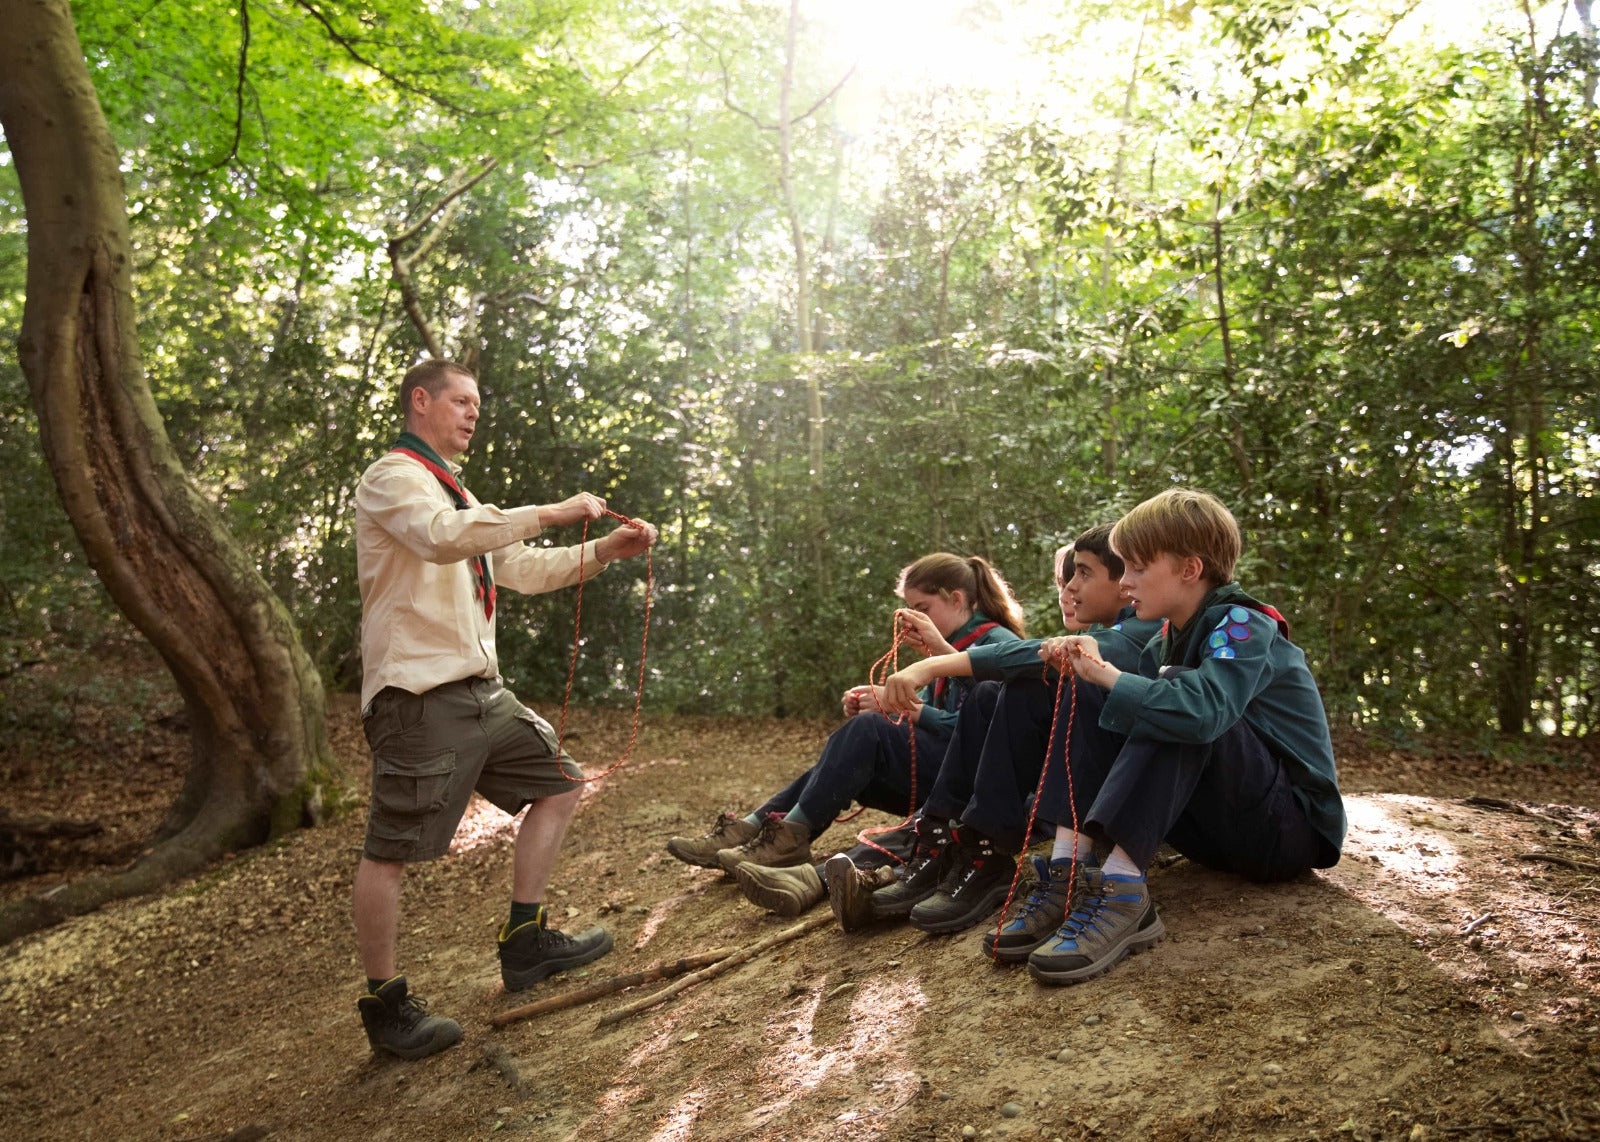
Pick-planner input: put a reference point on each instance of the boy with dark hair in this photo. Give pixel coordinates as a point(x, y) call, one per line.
point(1218, 744)
point(975, 821)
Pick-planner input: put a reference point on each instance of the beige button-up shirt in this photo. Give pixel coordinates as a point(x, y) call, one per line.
point(422, 624)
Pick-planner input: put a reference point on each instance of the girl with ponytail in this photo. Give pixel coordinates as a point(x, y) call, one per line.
point(951, 602)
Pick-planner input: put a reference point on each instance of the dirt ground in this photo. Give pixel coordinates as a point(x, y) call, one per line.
point(1443, 981)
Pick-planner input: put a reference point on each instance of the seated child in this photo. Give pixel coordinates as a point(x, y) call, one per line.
point(975, 820)
point(1217, 744)
point(959, 603)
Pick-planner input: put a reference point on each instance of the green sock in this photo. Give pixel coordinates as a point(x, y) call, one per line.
point(524, 914)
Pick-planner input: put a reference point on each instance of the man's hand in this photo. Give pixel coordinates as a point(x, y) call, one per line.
point(921, 633)
point(578, 508)
point(632, 538)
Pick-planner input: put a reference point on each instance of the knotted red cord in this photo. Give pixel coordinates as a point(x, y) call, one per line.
point(577, 627)
point(1064, 673)
point(877, 676)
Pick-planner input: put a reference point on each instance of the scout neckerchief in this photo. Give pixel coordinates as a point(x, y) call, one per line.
point(966, 640)
point(415, 447)
point(1178, 644)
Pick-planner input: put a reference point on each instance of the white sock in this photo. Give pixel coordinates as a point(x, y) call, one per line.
point(1071, 844)
point(1120, 863)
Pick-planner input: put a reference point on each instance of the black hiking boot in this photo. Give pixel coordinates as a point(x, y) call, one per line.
point(400, 1024)
point(534, 952)
point(919, 877)
point(973, 886)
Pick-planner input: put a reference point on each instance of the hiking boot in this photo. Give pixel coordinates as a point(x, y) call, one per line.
point(400, 1024)
point(919, 877)
point(851, 890)
point(534, 952)
point(973, 886)
point(1115, 918)
point(889, 848)
point(786, 891)
point(1040, 915)
point(777, 844)
point(728, 831)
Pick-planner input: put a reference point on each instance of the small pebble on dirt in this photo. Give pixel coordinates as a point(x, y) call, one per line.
point(1065, 1055)
point(1091, 1020)
point(1272, 1069)
point(1517, 1017)
point(1011, 1110)
point(969, 1132)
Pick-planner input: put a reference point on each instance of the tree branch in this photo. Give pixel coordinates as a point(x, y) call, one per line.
point(238, 95)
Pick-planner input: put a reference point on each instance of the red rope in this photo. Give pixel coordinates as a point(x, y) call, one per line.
point(572, 665)
point(1064, 673)
point(877, 676)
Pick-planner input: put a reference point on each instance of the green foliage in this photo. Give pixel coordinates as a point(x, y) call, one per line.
point(1341, 275)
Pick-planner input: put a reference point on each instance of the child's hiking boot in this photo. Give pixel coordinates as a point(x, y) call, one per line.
point(919, 877)
point(1040, 915)
point(973, 886)
point(888, 849)
point(786, 891)
point(727, 832)
point(1115, 918)
point(776, 844)
point(400, 1024)
point(850, 890)
point(533, 952)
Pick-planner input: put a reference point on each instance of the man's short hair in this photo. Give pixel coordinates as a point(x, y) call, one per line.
point(1181, 522)
point(431, 375)
point(1097, 542)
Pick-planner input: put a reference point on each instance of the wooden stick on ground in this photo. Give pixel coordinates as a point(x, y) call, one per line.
point(616, 983)
point(716, 969)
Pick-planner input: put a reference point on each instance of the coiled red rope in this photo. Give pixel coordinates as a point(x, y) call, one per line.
point(877, 676)
point(572, 664)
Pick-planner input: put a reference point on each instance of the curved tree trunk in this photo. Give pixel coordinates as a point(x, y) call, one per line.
point(254, 699)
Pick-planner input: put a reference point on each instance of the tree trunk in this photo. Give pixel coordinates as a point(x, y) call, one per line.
point(254, 699)
point(816, 526)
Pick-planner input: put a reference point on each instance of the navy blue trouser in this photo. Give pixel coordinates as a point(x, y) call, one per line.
point(988, 785)
point(958, 771)
point(1226, 804)
point(868, 759)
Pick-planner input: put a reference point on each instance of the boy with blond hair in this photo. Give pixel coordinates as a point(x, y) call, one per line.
point(1218, 744)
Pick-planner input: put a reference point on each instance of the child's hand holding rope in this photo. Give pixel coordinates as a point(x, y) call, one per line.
point(1079, 654)
point(919, 633)
point(898, 695)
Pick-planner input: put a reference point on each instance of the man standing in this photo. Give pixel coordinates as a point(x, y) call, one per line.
point(437, 717)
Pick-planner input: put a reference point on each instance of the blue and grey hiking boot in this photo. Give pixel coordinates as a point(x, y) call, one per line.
point(1036, 919)
point(534, 952)
point(919, 877)
point(973, 886)
point(400, 1024)
point(1115, 918)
